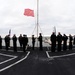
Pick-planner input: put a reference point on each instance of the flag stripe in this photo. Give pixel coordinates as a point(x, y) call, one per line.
point(29, 12)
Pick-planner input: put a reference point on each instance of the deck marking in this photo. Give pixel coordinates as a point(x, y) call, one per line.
point(47, 54)
point(8, 60)
point(7, 55)
point(13, 57)
point(66, 55)
point(15, 62)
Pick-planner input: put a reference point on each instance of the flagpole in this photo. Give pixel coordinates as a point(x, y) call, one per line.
point(37, 20)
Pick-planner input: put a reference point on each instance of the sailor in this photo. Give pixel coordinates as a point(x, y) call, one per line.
point(0, 42)
point(14, 38)
point(6, 42)
point(25, 42)
point(40, 41)
point(64, 38)
point(20, 40)
point(59, 41)
point(53, 42)
point(70, 41)
point(74, 40)
point(33, 42)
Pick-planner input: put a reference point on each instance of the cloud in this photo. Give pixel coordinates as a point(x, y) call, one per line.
point(59, 13)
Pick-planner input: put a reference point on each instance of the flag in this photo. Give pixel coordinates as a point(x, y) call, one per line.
point(29, 12)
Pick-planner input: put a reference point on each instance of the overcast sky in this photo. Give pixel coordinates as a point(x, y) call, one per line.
point(58, 13)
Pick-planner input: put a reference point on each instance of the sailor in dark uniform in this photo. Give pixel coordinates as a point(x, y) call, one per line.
point(59, 41)
point(74, 40)
point(14, 38)
point(20, 40)
point(70, 41)
point(0, 42)
point(53, 42)
point(64, 38)
point(33, 42)
point(25, 42)
point(6, 42)
point(40, 41)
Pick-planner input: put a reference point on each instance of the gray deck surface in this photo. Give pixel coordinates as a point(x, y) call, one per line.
point(38, 63)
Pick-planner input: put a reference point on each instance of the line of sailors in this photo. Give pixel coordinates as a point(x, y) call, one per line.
point(23, 41)
point(57, 40)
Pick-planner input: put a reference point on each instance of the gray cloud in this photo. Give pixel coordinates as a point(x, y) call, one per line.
point(59, 13)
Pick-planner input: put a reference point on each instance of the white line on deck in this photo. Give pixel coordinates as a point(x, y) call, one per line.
point(8, 60)
point(15, 62)
point(66, 55)
point(7, 55)
point(13, 57)
point(47, 54)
